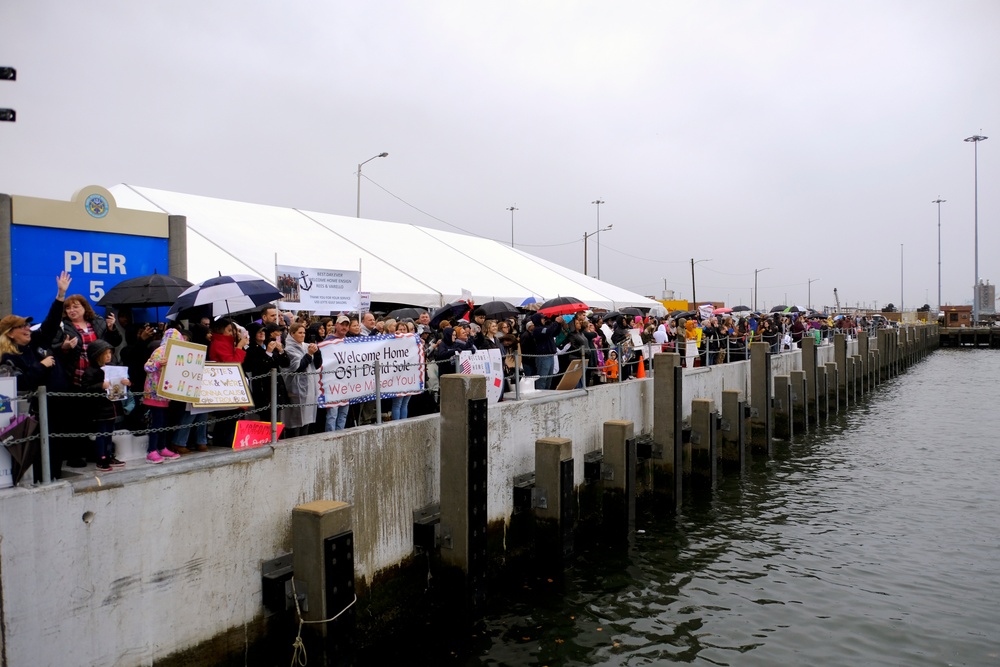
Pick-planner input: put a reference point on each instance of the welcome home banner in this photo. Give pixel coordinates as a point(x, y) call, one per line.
point(348, 373)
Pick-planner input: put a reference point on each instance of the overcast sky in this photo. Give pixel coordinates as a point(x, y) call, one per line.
point(806, 137)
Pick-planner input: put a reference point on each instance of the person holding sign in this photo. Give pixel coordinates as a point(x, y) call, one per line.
point(103, 410)
point(156, 450)
point(303, 386)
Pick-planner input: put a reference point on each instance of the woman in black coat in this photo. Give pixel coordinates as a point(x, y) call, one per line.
point(264, 353)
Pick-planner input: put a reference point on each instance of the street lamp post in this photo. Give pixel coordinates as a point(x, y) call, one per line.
point(694, 294)
point(598, 202)
point(755, 272)
point(359, 178)
point(975, 139)
point(512, 209)
point(811, 281)
point(939, 201)
point(587, 236)
point(900, 283)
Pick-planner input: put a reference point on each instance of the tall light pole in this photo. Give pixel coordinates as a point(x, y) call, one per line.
point(598, 202)
point(900, 283)
point(694, 296)
point(939, 201)
point(587, 236)
point(755, 272)
point(512, 209)
point(975, 139)
point(359, 178)
point(811, 281)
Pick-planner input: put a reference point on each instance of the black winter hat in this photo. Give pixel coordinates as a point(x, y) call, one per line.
point(96, 349)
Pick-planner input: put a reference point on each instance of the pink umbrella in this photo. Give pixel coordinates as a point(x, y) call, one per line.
point(722, 311)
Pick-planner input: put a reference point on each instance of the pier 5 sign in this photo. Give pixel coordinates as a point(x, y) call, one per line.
point(92, 239)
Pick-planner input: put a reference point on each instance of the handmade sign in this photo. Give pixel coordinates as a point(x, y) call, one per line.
point(484, 362)
point(180, 376)
point(348, 373)
point(224, 386)
point(250, 434)
point(114, 375)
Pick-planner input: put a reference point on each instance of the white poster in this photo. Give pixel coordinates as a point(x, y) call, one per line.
point(348, 373)
point(113, 375)
point(318, 290)
point(484, 362)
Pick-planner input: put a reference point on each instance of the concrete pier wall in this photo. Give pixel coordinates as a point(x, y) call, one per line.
point(139, 564)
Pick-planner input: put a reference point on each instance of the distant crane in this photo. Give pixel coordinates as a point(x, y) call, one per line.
point(836, 298)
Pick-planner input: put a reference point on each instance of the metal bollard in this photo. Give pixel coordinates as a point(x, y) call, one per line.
point(43, 434)
point(274, 405)
point(378, 392)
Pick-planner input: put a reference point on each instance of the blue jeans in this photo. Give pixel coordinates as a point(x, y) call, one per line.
point(105, 448)
point(546, 369)
point(400, 407)
point(336, 417)
point(157, 419)
point(189, 420)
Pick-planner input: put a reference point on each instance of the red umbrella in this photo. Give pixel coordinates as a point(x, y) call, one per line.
point(561, 305)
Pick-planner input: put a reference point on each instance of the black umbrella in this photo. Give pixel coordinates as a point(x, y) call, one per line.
point(406, 313)
point(561, 305)
point(156, 289)
point(225, 295)
point(740, 309)
point(630, 310)
point(778, 309)
point(496, 310)
point(455, 310)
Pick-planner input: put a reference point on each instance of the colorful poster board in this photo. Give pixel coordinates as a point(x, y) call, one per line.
point(224, 386)
point(348, 373)
point(250, 434)
point(317, 290)
point(181, 373)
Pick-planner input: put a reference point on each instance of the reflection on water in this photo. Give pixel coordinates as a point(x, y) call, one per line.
point(873, 541)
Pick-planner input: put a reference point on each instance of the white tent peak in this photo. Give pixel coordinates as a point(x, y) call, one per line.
point(399, 263)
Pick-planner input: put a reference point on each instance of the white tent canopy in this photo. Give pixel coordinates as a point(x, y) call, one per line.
point(399, 263)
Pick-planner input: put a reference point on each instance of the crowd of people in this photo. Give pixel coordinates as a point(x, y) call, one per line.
point(70, 351)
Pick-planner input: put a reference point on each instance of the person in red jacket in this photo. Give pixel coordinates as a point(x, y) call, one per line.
point(229, 343)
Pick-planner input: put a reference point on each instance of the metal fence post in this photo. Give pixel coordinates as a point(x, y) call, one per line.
point(517, 373)
point(43, 434)
point(274, 405)
point(378, 392)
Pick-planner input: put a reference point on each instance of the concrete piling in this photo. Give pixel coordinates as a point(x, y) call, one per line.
point(463, 487)
point(554, 486)
point(822, 395)
point(809, 361)
point(323, 563)
point(782, 403)
point(732, 431)
point(800, 401)
point(703, 444)
point(832, 388)
point(620, 483)
point(761, 418)
point(668, 384)
point(840, 358)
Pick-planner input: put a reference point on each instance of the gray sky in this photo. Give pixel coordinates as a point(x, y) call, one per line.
point(808, 137)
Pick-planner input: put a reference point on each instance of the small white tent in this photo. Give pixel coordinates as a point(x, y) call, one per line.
point(399, 263)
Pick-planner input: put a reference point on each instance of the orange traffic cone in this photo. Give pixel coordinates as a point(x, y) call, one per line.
point(641, 371)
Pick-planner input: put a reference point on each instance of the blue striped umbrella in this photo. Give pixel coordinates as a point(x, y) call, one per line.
point(225, 295)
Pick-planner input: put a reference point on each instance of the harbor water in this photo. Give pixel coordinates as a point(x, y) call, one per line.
point(872, 540)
